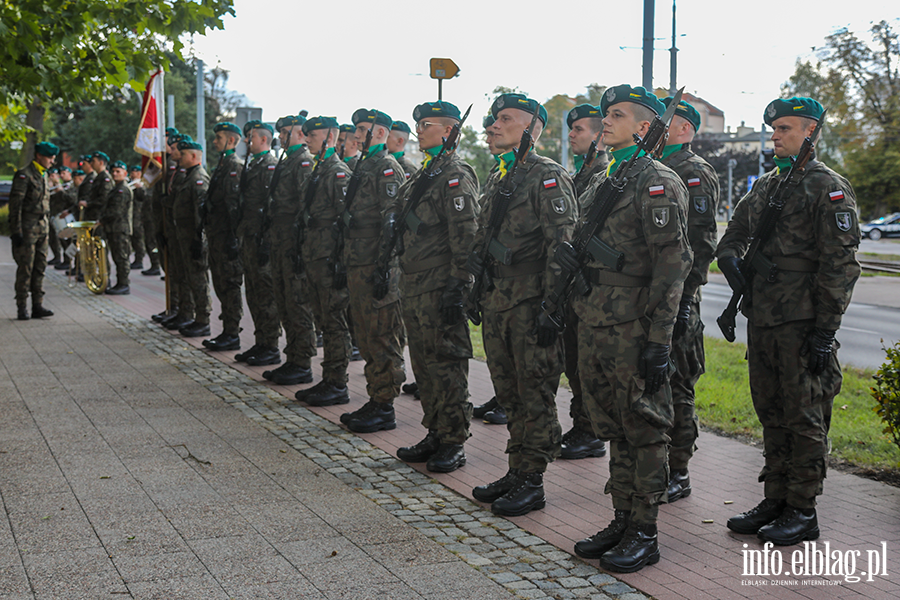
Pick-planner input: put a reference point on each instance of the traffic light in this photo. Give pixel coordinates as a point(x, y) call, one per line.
point(768, 160)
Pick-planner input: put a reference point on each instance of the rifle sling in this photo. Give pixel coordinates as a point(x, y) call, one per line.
point(534, 267)
point(763, 264)
point(604, 277)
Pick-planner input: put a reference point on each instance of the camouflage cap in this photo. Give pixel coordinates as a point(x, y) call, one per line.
point(520, 101)
point(686, 111)
point(401, 127)
point(347, 128)
point(626, 93)
point(365, 115)
point(436, 109)
point(320, 123)
point(796, 106)
point(582, 111)
point(119, 165)
point(227, 127)
point(101, 155)
point(189, 144)
point(487, 121)
point(46, 149)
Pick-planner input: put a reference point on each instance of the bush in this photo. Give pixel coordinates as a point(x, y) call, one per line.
point(4, 219)
point(887, 392)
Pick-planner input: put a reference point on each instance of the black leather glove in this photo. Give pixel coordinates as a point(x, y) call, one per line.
point(452, 305)
point(681, 319)
point(197, 249)
point(387, 231)
point(653, 366)
point(731, 268)
point(819, 343)
point(232, 248)
point(339, 275)
point(567, 257)
point(17, 239)
point(474, 264)
point(381, 280)
point(547, 332)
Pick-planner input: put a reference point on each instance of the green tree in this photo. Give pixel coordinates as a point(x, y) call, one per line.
point(474, 151)
point(550, 144)
point(746, 163)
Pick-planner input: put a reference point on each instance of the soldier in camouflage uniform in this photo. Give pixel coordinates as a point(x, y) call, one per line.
point(396, 146)
point(116, 219)
point(176, 261)
point(100, 188)
point(138, 235)
point(317, 222)
point(348, 145)
point(792, 318)
point(148, 226)
point(434, 285)
point(523, 354)
point(625, 329)
point(63, 203)
point(56, 198)
point(687, 339)
point(84, 190)
point(585, 125)
point(161, 216)
point(378, 323)
point(221, 213)
point(195, 301)
point(289, 280)
point(29, 205)
point(258, 285)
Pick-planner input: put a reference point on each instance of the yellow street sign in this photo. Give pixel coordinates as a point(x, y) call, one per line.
point(443, 68)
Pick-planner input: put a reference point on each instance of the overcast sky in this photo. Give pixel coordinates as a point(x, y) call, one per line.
point(356, 54)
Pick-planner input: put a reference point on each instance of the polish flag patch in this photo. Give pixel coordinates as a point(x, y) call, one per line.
point(199, 182)
point(657, 190)
point(271, 167)
point(340, 175)
point(305, 163)
point(453, 182)
point(549, 183)
point(835, 196)
point(234, 173)
point(388, 172)
point(693, 182)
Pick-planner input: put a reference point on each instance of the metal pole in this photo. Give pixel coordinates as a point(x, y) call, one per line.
point(647, 76)
point(440, 89)
point(673, 59)
point(731, 165)
point(564, 145)
point(201, 110)
point(171, 108)
point(762, 146)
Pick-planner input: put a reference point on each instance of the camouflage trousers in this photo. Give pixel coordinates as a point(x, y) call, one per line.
point(580, 419)
point(440, 361)
point(119, 245)
point(291, 299)
point(690, 363)
point(31, 262)
point(794, 408)
point(148, 226)
point(172, 264)
point(227, 277)
point(379, 330)
point(260, 292)
point(635, 424)
point(525, 378)
point(54, 242)
point(137, 232)
point(330, 309)
point(194, 299)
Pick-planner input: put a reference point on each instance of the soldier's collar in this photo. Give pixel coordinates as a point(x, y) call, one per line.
point(670, 150)
point(328, 153)
point(263, 153)
point(228, 152)
point(579, 161)
point(398, 155)
point(619, 157)
point(373, 150)
point(782, 163)
point(430, 154)
point(39, 167)
point(293, 149)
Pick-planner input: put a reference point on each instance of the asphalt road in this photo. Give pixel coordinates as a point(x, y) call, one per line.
point(862, 329)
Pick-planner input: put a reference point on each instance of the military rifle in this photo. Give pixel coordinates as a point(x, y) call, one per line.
point(586, 243)
point(591, 154)
point(262, 240)
point(766, 227)
point(501, 199)
point(303, 216)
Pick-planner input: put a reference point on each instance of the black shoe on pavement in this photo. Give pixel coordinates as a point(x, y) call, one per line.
point(762, 514)
point(223, 341)
point(195, 329)
point(355, 356)
point(792, 527)
point(329, 394)
point(421, 451)
point(410, 388)
point(609, 538)
point(527, 495)
point(265, 356)
point(53, 261)
point(23, 314)
point(581, 444)
point(80, 278)
point(138, 264)
point(63, 266)
point(372, 417)
point(479, 411)
point(448, 458)
point(176, 322)
point(679, 485)
point(39, 312)
point(496, 489)
point(166, 314)
point(151, 272)
point(637, 549)
point(242, 356)
point(496, 416)
point(119, 289)
point(289, 374)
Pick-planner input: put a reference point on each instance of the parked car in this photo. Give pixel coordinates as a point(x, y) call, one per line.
point(5, 189)
point(888, 226)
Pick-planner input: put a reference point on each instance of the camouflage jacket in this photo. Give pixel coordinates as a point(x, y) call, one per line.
point(326, 206)
point(819, 226)
point(29, 201)
point(287, 195)
point(380, 180)
point(541, 214)
point(409, 167)
point(703, 200)
point(583, 177)
point(351, 162)
point(84, 190)
point(138, 194)
point(118, 209)
point(190, 194)
point(255, 180)
point(445, 221)
point(62, 198)
point(648, 225)
point(223, 201)
point(100, 189)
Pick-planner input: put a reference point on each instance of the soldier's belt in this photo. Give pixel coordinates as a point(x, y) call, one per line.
point(314, 223)
point(604, 277)
point(518, 269)
point(38, 215)
point(365, 232)
point(769, 267)
point(417, 266)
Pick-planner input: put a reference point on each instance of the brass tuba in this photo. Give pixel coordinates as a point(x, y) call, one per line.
point(92, 260)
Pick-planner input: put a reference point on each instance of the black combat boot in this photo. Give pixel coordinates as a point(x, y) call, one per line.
point(792, 527)
point(422, 451)
point(242, 356)
point(497, 416)
point(372, 417)
point(679, 485)
point(195, 329)
point(581, 444)
point(482, 409)
point(527, 495)
point(289, 374)
point(23, 314)
point(495, 489)
point(637, 549)
point(120, 289)
point(223, 341)
point(176, 322)
point(39, 312)
point(762, 514)
point(448, 458)
point(609, 538)
point(265, 356)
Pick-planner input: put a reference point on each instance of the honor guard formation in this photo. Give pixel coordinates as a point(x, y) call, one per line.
point(596, 275)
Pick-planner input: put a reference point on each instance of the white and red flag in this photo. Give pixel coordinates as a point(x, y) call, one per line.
point(150, 141)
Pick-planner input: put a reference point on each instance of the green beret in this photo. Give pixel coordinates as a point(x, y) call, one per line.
point(77, 173)
point(52, 170)
point(520, 101)
point(171, 131)
point(488, 121)
point(173, 139)
point(85, 158)
point(257, 124)
point(796, 106)
point(227, 127)
point(64, 168)
point(46, 149)
point(626, 93)
point(290, 121)
point(685, 110)
point(119, 165)
point(401, 127)
point(135, 168)
point(101, 155)
point(189, 144)
point(320, 123)
point(364, 115)
point(436, 109)
point(347, 128)
point(582, 111)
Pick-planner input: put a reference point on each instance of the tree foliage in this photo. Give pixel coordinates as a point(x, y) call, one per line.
point(746, 163)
